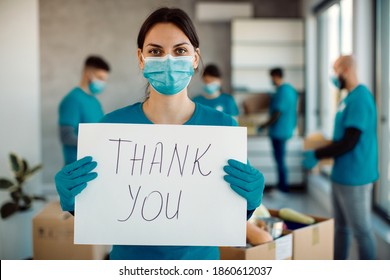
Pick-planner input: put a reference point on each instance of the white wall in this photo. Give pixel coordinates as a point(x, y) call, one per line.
point(19, 103)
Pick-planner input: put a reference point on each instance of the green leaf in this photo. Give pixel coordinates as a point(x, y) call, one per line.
point(16, 195)
point(15, 163)
point(24, 166)
point(34, 170)
point(22, 175)
point(8, 209)
point(5, 184)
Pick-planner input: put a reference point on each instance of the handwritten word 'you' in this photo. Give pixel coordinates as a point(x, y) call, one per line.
point(150, 213)
point(143, 159)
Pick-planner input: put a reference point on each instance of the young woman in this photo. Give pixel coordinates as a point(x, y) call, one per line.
point(168, 55)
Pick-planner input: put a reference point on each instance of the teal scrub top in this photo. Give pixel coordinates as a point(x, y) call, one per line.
point(78, 107)
point(224, 103)
point(284, 101)
point(360, 165)
point(202, 116)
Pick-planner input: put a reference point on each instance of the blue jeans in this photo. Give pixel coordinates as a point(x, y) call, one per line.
point(279, 149)
point(352, 214)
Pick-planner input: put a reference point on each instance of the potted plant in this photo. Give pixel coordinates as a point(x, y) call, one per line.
point(20, 201)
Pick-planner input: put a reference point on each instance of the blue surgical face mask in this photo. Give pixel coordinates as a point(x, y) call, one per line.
point(335, 81)
point(169, 75)
point(210, 88)
point(96, 86)
point(338, 81)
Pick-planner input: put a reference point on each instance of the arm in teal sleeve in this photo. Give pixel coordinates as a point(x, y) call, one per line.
point(233, 107)
point(274, 118)
point(69, 113)
point(347, 143)
point(68, 135)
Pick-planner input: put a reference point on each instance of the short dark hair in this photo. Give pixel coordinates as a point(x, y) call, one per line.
point(97, 62)
point(169, 15)
point(212, 70)
point(276, 72)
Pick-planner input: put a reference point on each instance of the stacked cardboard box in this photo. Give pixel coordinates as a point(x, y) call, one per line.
point(53, 237)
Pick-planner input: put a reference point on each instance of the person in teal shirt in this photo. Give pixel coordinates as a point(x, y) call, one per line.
point(281, 124)
point(355, 152)
point(168, 55)
point(212, 96)
point(80, 105)
point(202, 115)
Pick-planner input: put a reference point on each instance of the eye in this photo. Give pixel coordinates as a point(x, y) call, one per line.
point(181, 51)
point(155, 52)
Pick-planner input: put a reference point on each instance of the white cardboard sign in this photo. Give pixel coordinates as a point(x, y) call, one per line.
point(160, 185)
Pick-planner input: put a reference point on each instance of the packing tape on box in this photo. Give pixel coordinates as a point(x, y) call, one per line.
point(315, 236)
point(271, 246)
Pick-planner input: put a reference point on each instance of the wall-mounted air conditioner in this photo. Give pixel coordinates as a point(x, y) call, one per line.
point(222, 11)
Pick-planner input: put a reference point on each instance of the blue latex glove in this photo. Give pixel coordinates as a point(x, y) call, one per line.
point(309, 160)
point(246, 181)
point(72, 179)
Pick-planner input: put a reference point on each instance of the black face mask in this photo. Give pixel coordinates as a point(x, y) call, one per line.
point(342, 82)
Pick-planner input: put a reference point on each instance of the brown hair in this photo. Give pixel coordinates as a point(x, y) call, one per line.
point(169, 15)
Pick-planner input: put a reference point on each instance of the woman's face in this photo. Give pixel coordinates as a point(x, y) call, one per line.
point(167, 38)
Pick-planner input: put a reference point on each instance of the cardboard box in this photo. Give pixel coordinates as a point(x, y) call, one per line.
point(312, 242)
point(315, 141)
point(53, 237)
point(252, 122)
point(278, 249)
point(256, 103)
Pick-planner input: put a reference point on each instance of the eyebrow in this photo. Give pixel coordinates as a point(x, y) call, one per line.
point(158, 46)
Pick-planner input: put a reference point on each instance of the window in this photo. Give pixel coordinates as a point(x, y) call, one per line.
point(382, 190)
point(346, 7)
point(335, 38)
